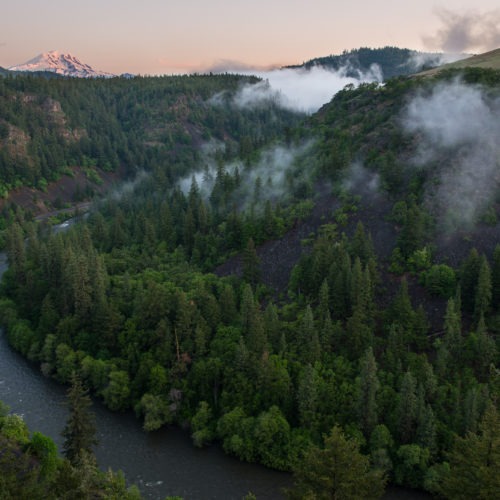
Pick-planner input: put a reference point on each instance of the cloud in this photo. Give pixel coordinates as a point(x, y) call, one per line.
point(458, 126)
point(271, 170)
point(128, 187)
point(299, 89)
point(233, 66)
point(471, 31)
point(361, 181)
point(421, 60)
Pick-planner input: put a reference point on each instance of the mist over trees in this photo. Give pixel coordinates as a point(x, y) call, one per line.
point(380, 342)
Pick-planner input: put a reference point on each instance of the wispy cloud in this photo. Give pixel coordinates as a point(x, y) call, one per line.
point(300, 89)
point(464, 158)
point(232, 66)
point(466, 32)
point(421, 60)
point(272, 170)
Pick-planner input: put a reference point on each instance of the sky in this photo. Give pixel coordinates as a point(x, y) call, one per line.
point(151, 37)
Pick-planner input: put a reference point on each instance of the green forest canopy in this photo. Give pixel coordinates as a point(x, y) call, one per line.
point(128, 299)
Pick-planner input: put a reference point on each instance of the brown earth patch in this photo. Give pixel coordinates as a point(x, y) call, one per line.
point(68, 192)
point(279, 256)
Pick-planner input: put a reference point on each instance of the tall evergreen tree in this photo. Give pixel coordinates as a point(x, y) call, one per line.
point(495, 279)
point(407, 408)
point(469, 273)
point(338, 471)
point(307, 396)
point(475, 462)
point(453, 331)
point(482, 300)
point(79, 432)
point(251, 264)
point(367, 397)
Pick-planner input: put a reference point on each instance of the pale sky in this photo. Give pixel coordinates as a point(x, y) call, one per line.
point(166, 36)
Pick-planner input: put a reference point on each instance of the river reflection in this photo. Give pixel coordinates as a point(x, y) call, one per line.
point(160, 463)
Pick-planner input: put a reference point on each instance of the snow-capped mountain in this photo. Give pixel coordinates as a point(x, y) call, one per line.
point(62, 64)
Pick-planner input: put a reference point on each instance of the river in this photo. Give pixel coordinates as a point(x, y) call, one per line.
point(161, 463)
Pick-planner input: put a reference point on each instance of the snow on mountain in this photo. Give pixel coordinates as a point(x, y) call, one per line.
point(62, 64)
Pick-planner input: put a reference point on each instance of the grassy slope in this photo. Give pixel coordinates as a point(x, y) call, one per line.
point(487, 60)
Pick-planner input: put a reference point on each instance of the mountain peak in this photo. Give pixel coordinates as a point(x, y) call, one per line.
point(61, 63)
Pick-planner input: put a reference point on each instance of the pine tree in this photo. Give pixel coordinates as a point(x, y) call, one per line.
point(272, 326)
point(323, 309)
point(495, 279)
point(16, 252)
point(475, 462)
point(407, 408)
point(367, 398)
point(402, 311)
point(426, 429)
point(361, 244)
point(482, 299)
point(453, 331)
point(485, 351)
point(252, 323)
point(79, 432)
point(251, 264)
point(307, 396)
point(469, 273)
point(338, 471)
point(227, 305)
point(308, 345)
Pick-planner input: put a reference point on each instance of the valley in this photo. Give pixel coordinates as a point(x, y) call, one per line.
point(270, 281)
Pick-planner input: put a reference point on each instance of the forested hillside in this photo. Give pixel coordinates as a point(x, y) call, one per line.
point(379, 336)
point(392, 61)
point(49, 125)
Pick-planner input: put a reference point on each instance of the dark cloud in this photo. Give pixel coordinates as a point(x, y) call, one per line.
point(471, 31)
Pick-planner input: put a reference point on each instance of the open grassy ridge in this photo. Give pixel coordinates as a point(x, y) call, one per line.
point(489, 60)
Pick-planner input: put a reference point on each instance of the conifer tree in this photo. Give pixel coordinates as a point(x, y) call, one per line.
point(79, 432)
point(475, 462)
point(367, 397)
point(251, 263)
point(338, 471)
point(485, 351)
point(323, 309)
point(227, 305)
point(308, 346)
point(272, 326)
point(307, 396)
point(407, 408)
point(361, 244)
point(453, 331)
point(252, 323)
point(16, 252)
point(469, 273)
point(482, 299)
point(495, 279)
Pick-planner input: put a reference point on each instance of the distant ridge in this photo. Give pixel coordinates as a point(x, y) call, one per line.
point(392, 61)
point(61, 64)
point(490, 59)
